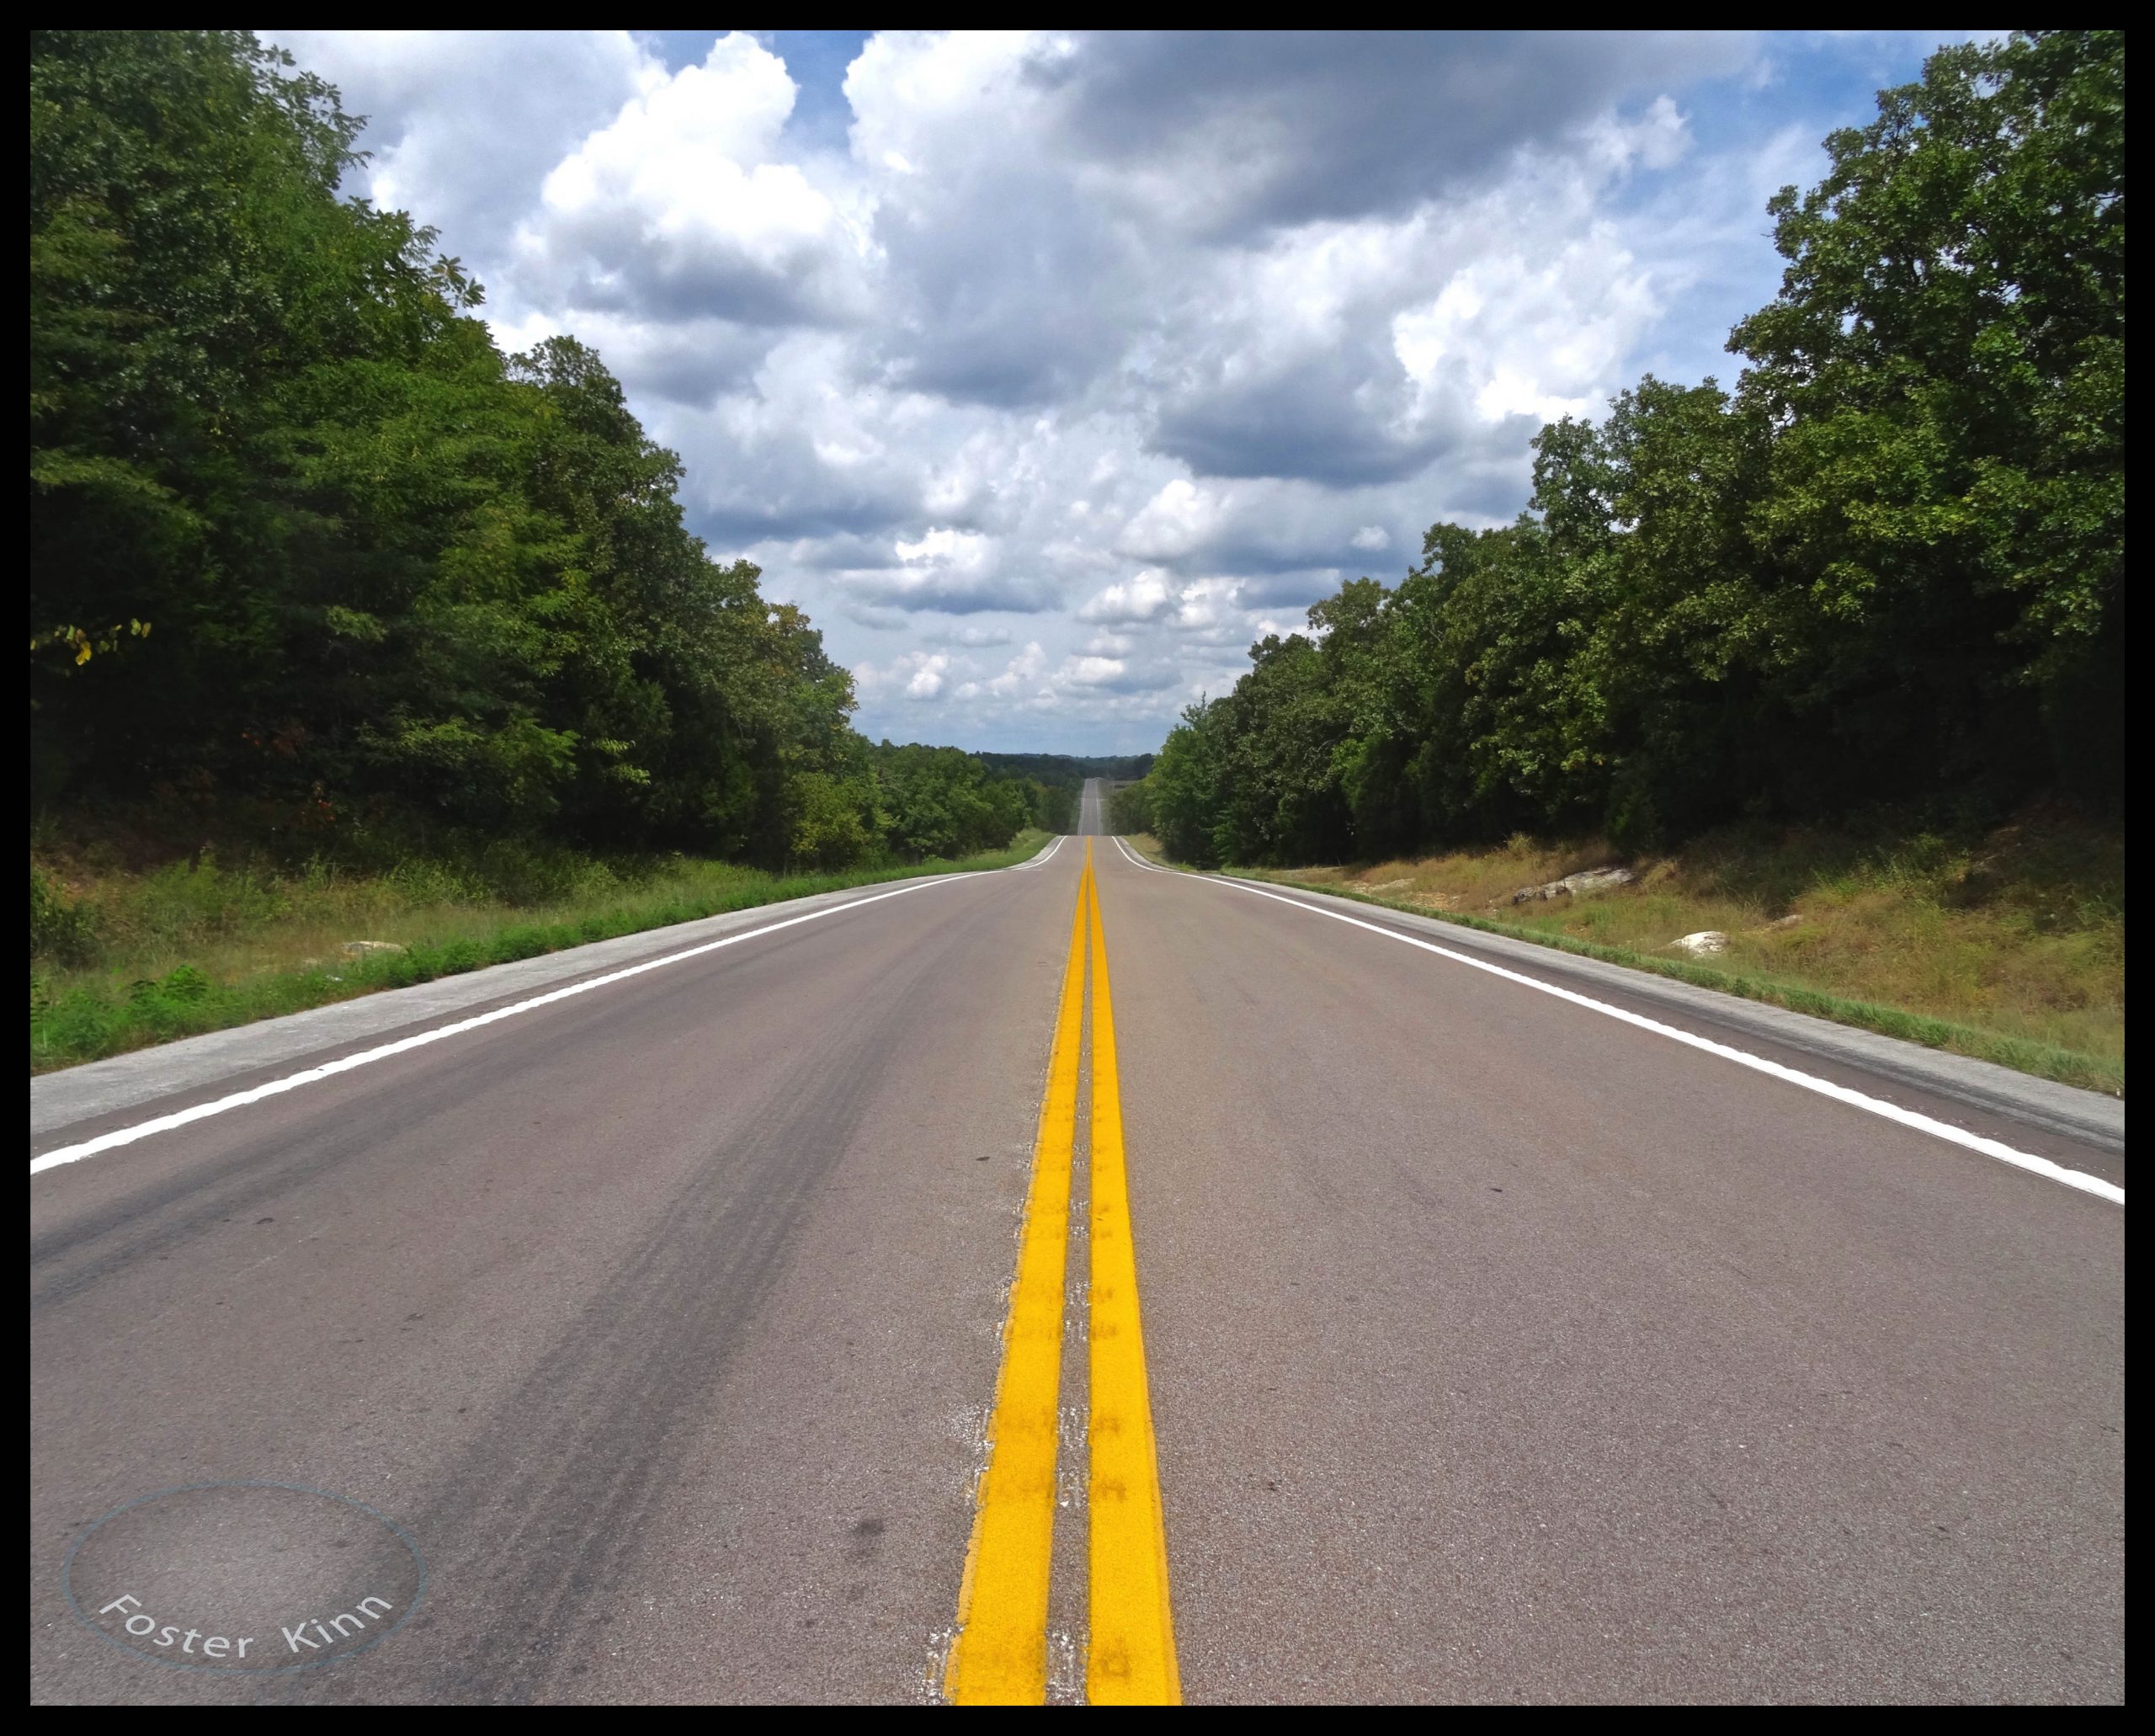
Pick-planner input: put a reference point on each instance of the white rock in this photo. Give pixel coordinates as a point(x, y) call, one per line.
point(1579, 885)
point(360, 949)
point(1705, 941)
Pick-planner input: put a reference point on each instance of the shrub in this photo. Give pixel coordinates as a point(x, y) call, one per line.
point(62, 929)
point(185, 903)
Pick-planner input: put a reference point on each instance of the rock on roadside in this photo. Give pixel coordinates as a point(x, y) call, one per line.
point(1706, 940)
point(1587, 880)
point(360, 949)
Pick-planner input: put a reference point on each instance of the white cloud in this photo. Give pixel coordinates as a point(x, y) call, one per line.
point(1208, 604)
point(927, 679)
point(946, 550)
point(676, 207)
point(975, 636)
point(1173, 523)
point(1123, 349)
point(912, 675)
point(1094, 671)
point(1188, 606)
point(1022, 673)
point(1146, 597)
point(1663, 139)
point(465, 125)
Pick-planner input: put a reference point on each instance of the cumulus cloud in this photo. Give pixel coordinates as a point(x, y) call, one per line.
point(1230, 133)
point(1174, 522)
point(1117, 675)
point(978, 636)
point(1011, 283)
point(948, 571)
point(676, 208)
point(1201, 606)
point(1022, 673)
point(1146, 597)
point(464, 126)
point(912, 675)
point(1121, 349)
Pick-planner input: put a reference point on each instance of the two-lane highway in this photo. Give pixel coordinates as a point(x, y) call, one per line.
point(1495, 1348)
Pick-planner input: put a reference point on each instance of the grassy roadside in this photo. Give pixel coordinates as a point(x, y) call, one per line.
point(134, 959)
point(2008, 946)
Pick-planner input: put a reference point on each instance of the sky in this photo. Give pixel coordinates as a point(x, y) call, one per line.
point(1047, 371)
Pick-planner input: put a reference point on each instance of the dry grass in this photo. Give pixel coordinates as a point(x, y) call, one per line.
point(124, 954)
point(2018, 932)
point(236, 922)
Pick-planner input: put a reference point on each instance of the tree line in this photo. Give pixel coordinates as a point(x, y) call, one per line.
point(308, 549)
point(1886, 567)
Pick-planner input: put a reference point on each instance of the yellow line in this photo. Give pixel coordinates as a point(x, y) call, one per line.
point(1131, 1660)
point(1000, 1655)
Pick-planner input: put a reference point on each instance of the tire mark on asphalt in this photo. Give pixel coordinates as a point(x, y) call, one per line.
point(156, 1220)
point(601, 1413)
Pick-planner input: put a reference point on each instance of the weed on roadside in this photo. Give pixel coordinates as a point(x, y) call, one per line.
point(124, 960)
point(2006, 942)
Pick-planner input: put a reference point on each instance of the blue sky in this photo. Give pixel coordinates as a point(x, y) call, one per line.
point(1047, 371)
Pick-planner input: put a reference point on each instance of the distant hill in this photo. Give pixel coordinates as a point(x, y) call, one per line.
point(1065, 768)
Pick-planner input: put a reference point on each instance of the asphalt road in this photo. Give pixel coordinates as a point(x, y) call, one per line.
point(1498, 1349)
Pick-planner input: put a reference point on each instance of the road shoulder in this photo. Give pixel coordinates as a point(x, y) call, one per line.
point(1980, 1085)
point(80, 1093)
point(2090, 1117)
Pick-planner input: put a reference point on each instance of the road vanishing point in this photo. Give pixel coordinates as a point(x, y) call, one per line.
point(1081, 1282)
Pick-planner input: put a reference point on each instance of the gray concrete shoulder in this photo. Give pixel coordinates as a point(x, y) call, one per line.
point(1983, 1085)
point(100, 1088)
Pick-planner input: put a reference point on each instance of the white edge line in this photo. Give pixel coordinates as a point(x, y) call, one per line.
point(2077, 1178)
point(292, 1082)
point(1150, 867)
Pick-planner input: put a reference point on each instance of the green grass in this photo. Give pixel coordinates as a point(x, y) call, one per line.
point(122, 960)
point(2006, 943)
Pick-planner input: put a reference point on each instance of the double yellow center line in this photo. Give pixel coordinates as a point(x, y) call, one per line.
point(1000, 1654)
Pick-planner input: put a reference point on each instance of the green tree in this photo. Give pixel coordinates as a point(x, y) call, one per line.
point(1129, 808)
point(1946, 362)
point(1186, 786)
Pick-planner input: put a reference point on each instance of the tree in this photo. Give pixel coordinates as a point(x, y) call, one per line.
point(1945, 362)
point(1186, 782)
